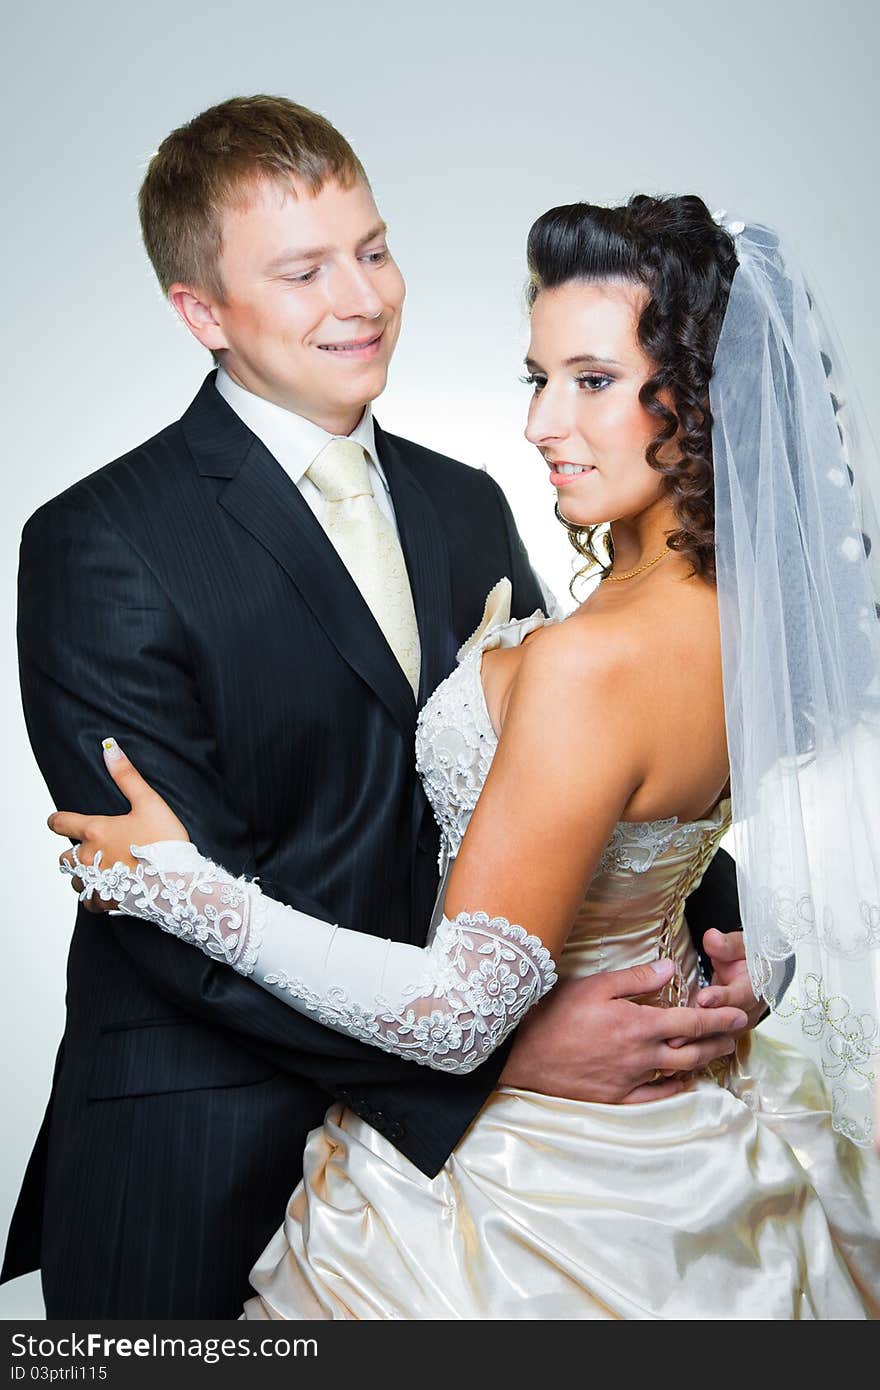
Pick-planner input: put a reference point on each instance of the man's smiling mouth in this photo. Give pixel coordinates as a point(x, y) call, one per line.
point(357, 345)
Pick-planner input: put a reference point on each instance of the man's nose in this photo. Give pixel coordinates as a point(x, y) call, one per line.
point(355, 295)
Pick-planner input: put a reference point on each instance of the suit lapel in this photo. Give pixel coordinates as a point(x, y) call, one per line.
point(427, 562)
point(261, 497)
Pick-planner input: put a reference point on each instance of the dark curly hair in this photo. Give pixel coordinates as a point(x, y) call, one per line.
point(686, 261)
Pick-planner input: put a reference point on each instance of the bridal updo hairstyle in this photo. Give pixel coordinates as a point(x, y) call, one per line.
point(686, 261)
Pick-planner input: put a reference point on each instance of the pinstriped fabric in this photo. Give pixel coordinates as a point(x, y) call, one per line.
point(185, 599)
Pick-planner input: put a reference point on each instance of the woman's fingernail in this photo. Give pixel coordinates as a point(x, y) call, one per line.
point(661, 966)
point(112, 751)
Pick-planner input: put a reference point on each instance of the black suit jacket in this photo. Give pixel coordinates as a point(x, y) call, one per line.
point(186, 600)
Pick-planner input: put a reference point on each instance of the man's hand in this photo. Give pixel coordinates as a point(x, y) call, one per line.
point(731, 986)
point(588, 1040)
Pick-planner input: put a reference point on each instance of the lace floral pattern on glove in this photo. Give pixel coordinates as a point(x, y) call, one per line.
point(446, 1006)
point(205, 906)
point(481, 976)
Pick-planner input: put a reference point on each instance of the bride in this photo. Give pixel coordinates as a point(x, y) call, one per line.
point(583, 773)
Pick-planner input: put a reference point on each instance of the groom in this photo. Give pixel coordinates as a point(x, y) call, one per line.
point(263, 669)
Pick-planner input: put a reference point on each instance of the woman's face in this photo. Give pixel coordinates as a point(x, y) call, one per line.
point(587, 368)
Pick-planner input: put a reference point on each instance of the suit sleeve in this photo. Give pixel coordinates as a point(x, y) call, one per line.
point(715, 903)
point(102, 652)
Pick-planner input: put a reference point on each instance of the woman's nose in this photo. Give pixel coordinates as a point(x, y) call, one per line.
point(547, 422)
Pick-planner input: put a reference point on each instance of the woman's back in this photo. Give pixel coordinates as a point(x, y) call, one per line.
point(663, 630)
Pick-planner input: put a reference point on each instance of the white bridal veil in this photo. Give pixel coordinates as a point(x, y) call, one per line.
point(797, 487)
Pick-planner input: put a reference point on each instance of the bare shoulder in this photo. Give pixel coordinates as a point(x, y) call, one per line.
point(580, 659)
point(590, 642)
point(603, 648)
point(682, 619)
point(677, 616)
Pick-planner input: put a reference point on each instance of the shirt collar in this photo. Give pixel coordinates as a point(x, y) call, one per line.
point(294, 441)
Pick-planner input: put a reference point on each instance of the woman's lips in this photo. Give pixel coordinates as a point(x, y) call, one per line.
point(563, 479)
point(359, 350)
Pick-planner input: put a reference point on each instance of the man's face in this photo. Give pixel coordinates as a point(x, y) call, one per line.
point(313, 300)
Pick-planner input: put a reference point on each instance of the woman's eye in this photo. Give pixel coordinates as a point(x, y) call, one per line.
point(538, 382)
point(594, 381)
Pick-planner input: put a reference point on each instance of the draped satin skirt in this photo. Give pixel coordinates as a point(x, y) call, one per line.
point(732, 1200)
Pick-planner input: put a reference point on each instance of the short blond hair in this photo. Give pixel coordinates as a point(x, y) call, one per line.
point(209, 164)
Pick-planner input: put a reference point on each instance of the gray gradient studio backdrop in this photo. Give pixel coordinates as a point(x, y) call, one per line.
point(470, 123)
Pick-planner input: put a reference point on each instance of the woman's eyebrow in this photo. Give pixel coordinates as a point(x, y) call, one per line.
point(579, 360)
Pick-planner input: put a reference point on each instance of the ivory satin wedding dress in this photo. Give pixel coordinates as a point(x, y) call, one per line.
point(732, 1200)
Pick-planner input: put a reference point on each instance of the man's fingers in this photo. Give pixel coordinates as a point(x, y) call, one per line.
point(695, 1055)
point(639, 979)
point(725, 946)
point(689, 1024)
point(724, 997)
point(710, 997)
point(654, 1090)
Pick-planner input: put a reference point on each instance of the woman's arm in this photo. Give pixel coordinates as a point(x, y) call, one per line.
point(447, 1005)
point(553, 795)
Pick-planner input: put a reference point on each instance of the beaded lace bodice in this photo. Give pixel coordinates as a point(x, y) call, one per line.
point(634, 908)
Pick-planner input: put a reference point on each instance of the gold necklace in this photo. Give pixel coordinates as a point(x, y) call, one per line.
point(619, 578)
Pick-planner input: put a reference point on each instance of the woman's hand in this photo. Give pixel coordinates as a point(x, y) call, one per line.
point(150, 819)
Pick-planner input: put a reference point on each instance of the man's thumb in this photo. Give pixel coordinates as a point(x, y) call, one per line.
point(641, 979)
point(724, 946)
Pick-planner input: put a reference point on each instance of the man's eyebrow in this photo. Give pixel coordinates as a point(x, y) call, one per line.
point(379, 230)
point(580, 360)
point(296, 253)
point(314, 253)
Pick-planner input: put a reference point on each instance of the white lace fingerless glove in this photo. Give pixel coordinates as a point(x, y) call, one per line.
point(446, 1005)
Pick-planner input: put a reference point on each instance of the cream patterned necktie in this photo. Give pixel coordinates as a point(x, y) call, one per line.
point(368, 547)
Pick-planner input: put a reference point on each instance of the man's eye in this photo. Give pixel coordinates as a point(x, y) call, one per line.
point(376, 257)
point(305, 279)
point(538, 382)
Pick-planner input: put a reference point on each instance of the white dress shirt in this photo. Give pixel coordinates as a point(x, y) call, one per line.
point(296, 442)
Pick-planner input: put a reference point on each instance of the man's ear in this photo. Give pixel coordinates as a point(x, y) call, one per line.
point(198, 315)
